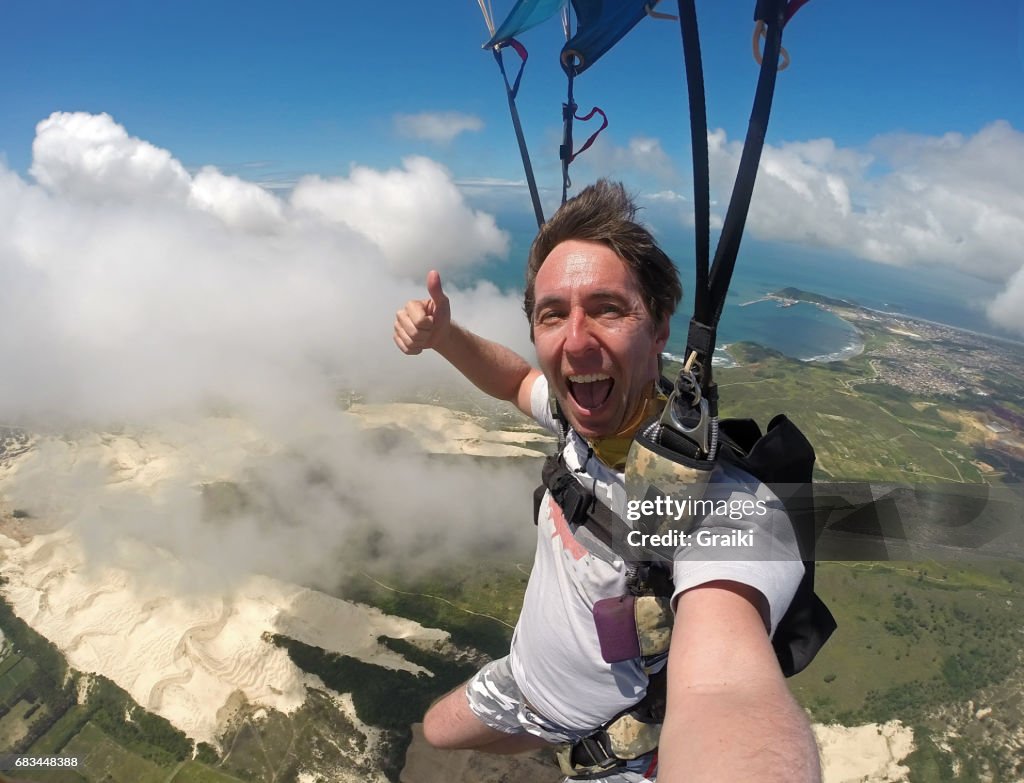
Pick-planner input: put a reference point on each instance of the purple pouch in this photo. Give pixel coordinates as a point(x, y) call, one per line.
point(616, 628)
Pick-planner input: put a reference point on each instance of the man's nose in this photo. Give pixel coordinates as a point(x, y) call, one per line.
point(580, 337)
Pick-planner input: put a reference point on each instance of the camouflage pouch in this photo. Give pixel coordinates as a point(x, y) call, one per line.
point(630, 738)
point(654, 619)
point(656, 473)
point(624, 739)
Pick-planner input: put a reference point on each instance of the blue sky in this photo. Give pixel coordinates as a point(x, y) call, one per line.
point(314, 86)
point(148, 146)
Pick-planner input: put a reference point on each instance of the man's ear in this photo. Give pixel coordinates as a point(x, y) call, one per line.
point(661, 332)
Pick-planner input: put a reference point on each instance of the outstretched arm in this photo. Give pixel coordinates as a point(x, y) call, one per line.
point(491, 367)
point(730, 715)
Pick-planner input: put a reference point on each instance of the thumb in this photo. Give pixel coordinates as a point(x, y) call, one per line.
point(437, 294)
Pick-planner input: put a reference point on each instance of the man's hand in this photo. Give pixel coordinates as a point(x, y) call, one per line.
point(491, 367)
point(424, 323)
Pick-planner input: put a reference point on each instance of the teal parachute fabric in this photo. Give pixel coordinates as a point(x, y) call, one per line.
point(525, 14)
point(599, 27)
point(600, 24)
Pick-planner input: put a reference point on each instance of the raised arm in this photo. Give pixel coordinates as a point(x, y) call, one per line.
point(491, 367)
point(730, 715)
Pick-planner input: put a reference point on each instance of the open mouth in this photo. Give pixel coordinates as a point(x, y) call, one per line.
point(590, 391)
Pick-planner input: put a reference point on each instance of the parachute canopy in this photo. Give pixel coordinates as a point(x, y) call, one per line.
point(600, 25)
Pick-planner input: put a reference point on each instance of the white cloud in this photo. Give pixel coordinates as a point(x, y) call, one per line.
point(238, 203)
point(416, 216)
point(642, 155)
point(138, 298)
point(952, 200)
point(129, 287)
point(1007, 309)
point(91, 157)
point(666, 196)
point(439, 127)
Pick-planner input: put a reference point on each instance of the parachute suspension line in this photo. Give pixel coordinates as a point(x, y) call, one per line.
point(712, 285)
point(565, 151)
point(485, 9)
point(701, 176)
point(772, 12)
point(511, 90)
point(570, 61)
point(568, 113)
point(649, 10)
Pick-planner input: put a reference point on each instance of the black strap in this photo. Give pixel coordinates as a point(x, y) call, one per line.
point(579, 505)
point(565, 150)
point(524, 153)
point(712, 285)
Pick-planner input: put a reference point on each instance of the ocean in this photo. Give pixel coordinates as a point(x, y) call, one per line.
point(803, 331)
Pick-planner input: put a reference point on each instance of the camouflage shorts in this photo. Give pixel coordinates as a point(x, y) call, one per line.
point(495, 699)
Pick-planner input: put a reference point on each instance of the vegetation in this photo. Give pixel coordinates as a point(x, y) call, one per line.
point(922, 643)
point(387, 698)
point(860, 430)
point(478, 604)
point(807, 296)
point(113, 738)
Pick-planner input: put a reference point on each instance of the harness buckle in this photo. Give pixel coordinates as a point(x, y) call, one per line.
point(688, 414)
point(587, 756)
point(575, 501)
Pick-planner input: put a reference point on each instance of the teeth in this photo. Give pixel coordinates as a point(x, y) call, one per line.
point(589, 378)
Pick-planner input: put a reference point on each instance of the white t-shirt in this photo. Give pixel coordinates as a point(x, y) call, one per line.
point(556, 655)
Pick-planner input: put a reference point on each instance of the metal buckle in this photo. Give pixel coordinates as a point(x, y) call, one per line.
point(687, 412)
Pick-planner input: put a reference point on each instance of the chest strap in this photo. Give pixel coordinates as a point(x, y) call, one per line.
point(579, 505)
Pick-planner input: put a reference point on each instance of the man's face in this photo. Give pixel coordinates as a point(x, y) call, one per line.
point(596, 342)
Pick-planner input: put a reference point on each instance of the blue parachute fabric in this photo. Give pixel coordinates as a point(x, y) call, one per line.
point(525, 14)
point(600, 25)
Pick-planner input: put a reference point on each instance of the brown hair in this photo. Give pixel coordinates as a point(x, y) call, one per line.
point(605, 213)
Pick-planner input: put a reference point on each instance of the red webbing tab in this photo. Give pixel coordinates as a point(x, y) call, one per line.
point(521, 50)
point(594, 135)
point(792, 8)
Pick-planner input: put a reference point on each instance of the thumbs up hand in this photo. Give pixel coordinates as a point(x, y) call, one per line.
point(424, 323)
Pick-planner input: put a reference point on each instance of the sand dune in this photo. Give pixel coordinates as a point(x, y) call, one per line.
point(442, 431)
point(184, 657)
point(188, 654)
point(865, 754)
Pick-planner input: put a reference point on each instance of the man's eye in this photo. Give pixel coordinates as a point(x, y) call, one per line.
point(610, 309)
point(550, 316)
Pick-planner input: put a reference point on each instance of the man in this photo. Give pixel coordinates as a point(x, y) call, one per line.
point(599, 296)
